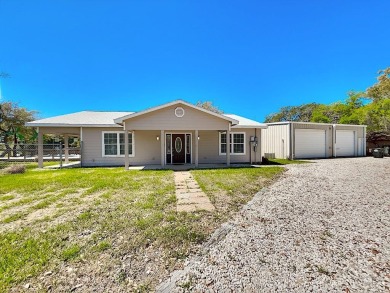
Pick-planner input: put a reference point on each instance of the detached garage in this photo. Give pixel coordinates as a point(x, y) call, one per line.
point(305, 140)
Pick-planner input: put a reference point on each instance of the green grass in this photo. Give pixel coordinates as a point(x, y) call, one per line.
point(13, 217)
point(6, 197)
point(136, 206)
point(234, 187)
point(21, 256)
point(284, 162)
point(71, 252)
point(104, 245)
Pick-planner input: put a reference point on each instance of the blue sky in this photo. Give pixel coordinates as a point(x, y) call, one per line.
point(247, 57)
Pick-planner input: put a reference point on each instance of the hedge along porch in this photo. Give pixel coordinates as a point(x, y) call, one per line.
point(173, 133)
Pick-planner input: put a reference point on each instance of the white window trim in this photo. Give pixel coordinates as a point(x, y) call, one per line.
point(231, 141)
point(118, 145)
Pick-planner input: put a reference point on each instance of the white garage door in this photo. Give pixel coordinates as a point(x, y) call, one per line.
point(310, 143)
point(345, 143)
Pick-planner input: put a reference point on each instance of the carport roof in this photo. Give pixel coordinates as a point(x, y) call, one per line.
point(80, 119)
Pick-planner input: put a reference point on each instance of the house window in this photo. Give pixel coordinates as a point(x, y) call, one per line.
point(237, 143)
point(114, 144)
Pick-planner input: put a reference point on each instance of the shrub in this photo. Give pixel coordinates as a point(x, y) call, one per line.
point(15, 169)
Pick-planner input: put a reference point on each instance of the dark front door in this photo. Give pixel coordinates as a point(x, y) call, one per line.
point(178, 149)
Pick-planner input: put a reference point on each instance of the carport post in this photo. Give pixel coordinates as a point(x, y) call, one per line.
point(127, 161)
point(40, 148)
point(66, 148)
point(162, 148)
point(228, 148)
point(196, 148)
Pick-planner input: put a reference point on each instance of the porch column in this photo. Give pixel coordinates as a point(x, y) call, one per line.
point(40, 148)
point(228, 148)
point(127, 160)
point(196, 148)
point(66, 149)
point(162, 146)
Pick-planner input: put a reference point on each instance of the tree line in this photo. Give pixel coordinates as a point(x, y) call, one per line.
point(370, 107)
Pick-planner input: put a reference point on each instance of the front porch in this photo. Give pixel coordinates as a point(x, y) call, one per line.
point(186, 167)
point(179, 149)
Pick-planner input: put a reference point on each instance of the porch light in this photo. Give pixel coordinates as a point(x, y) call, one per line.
point(198, 137)
point(157, 137)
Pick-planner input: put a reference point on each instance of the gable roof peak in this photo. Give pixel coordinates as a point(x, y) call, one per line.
point(175, 102)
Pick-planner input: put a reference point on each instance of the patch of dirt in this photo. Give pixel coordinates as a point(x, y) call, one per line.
point(34, 218)
point(3, 203)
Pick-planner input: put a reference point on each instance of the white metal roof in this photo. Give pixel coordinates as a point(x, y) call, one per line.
point(312, 123)
point(245, 122)
point(81, 119)
point(112, 119)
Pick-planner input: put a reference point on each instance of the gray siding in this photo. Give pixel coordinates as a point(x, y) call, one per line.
point(209, 148)
point(165, 119)
point(147, 148)
point(92, 148)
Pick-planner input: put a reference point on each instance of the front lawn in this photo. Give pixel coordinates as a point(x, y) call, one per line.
point(283, 162)
point(107, 228)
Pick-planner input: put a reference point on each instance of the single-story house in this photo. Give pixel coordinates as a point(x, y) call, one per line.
point(304, 140)
point(174, 133)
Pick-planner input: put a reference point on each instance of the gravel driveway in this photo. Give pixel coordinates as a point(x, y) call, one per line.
point(323, 227)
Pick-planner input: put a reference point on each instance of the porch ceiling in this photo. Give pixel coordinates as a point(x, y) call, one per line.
point(60, 130)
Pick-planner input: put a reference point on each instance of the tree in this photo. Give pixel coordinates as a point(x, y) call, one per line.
point(12, 121)
point(371, 108)
point(346, 112)
point(378, 112)
point(209, 106)
point(380, 90)
point(377, 116)
point(301, 113)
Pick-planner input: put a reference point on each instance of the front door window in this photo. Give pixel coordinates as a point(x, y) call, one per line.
point(178, 144)
point(178, 149)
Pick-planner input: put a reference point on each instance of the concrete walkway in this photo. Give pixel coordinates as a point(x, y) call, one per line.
point(75, 164)
point(189, 195)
